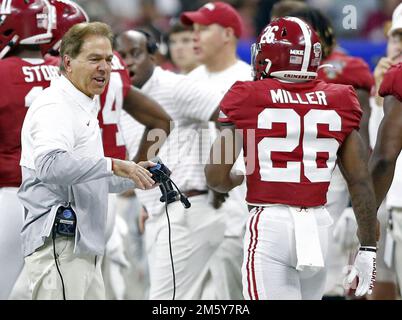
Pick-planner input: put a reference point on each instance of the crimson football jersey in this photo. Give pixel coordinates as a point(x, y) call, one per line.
point(346, 70)
point(111, 104)
point(292, 133)
point(391, 84)
point(21, 82)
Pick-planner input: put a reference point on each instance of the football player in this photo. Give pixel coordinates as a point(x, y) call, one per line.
point(338, 67)
point(388, 213)
point(387, 150)
point(294, 128)
point(23, 26)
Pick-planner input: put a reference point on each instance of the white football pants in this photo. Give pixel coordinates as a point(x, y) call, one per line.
point(269, 265)
point(195, 235)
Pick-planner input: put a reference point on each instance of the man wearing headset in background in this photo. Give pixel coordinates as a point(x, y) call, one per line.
point(196, 232)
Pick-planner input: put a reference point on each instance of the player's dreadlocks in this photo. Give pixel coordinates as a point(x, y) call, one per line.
point(321, 24)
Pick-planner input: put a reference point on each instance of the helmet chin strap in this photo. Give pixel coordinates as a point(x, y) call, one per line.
point(4, 51)
point(265, 73)
point(294, 76)
point(325, 65)
point(8, 47)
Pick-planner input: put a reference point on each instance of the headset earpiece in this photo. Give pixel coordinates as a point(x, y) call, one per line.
point(152, 45)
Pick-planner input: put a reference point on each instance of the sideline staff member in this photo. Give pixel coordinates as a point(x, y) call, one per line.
point(63, 166)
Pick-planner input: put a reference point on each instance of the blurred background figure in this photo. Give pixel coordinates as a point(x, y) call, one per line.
point(181, 44)
point(373, 27)
point(363, 38)
point(218, 28)
point(191, 105)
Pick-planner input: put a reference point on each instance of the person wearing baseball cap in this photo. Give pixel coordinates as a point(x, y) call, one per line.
point(217, 28)
point(218, 12)
point(396, 21)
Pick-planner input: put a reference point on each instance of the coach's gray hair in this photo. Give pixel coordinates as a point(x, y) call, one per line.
point(74, 38)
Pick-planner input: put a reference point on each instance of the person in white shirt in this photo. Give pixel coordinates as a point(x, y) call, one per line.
point(197, 231)
point(65, 176)
point(217, 28)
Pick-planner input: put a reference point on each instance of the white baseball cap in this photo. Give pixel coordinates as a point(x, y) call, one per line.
point(396, 20)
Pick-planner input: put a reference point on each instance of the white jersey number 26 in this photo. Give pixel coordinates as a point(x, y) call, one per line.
point(311, 144)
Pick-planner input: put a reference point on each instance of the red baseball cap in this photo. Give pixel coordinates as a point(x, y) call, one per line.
point(214, 12)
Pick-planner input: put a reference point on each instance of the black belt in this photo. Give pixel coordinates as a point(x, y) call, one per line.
point(251, 207)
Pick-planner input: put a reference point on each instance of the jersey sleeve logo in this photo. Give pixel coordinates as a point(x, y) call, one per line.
point(222, 115)
point(116, 64)
point(336, 70)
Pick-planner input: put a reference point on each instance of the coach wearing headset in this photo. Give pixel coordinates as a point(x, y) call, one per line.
point(66, 177)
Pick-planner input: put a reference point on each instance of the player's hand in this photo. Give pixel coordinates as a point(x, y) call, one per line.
point(345, 230)
point(136, 172)
point(142, 217)
point(364, 269)
point(218, 199)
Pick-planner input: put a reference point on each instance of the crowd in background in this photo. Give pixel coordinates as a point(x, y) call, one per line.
point(123, 14)
point(365, 37)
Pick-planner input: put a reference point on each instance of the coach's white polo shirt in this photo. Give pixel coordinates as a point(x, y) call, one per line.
point(62, 162)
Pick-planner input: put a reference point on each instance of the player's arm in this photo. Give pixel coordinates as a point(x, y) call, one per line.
point(387, 148)
point(223, 154)
point(363, 97)
point(352, 160)
point(149, 113)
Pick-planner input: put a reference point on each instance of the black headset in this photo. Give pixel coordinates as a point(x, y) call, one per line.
point(152, 45)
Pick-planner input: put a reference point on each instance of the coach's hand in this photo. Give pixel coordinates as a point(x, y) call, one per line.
point(136, 172)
